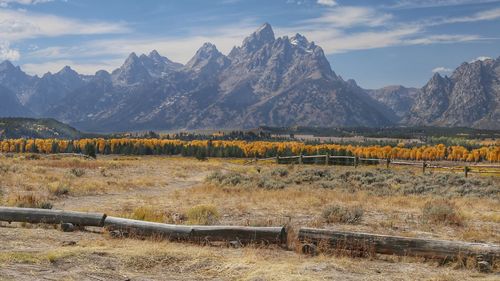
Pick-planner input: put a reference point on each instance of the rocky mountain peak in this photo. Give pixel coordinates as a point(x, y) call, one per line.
point(67, 71)
point(9, 71)
point(208, 49)
point(470, 97)
point(158, 59)
point(299, 40)
point(267, 81)
point(13, 78)
point(154, 55)
point(6, 65)
point(131, 60)
point(262, 36)
point(102, 74)
point(437, 77)
point(207, 57)
point(132, 71)
point(437, 82)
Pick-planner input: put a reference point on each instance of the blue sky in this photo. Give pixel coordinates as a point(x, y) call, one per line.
point(377, 43)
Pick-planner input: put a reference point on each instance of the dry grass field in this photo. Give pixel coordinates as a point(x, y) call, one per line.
point(400, 201)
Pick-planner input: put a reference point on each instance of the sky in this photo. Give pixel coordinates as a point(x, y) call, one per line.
point(377, 43)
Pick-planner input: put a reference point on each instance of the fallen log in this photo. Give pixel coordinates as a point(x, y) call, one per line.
point(396, 245)
point(31, 215)
point(145, 228)
point(197, 232)
point(243, 234)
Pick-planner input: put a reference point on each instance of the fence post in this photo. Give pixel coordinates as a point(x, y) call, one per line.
point(277, 159)
point(327, 158)
point(355, 161)
point(301, 160)
point(466, 170)
point(424, 164)
point(388, 161)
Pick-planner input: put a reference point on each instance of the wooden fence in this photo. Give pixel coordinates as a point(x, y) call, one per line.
point(327, 159)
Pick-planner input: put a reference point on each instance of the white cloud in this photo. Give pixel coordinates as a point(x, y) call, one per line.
point(350, 16)
point(329, 3)
point(405, 36)
point(179, 49)
point(442, 69)
point(343, 42)
point(411, 4)
point(482, 58)
point(333, 30)
point(480, 16)
point(6, 53)
point(5, 3)
point(18, 25)
point(441, 39)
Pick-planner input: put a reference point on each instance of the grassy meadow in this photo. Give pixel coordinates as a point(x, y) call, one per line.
point(397, 201)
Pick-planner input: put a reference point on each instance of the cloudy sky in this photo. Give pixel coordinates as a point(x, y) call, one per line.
point(390, 42)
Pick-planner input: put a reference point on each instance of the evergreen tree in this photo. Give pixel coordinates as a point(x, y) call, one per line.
point(90, 150)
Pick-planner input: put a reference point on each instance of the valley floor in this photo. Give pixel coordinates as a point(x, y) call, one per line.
point(165, 189)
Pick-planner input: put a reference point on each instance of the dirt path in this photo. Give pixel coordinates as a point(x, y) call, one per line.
point(116, 201)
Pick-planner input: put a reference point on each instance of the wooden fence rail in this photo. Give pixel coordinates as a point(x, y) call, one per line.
point(355, 161)
point(395, 245)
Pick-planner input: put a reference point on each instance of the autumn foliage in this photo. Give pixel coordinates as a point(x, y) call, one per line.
point(220, 148)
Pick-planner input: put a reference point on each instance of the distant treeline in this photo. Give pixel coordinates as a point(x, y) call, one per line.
point(251, 135)
point(422, 132)
point(261, 149)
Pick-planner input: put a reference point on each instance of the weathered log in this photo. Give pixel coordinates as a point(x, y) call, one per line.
point(31, 215)
point(407, 163)
point(369, 159)
point(243, 234)
point(197, 232)
point(341, 157)
point(396, 245)
point(288, 157)
point(145, 228)
point(313, 156)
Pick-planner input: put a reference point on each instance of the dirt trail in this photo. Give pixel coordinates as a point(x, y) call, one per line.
point(117, 200)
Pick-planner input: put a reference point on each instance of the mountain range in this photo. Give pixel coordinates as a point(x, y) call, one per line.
point(267, 81)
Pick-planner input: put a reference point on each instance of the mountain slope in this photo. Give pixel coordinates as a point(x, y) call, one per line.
point(469, 98)
point(284, 81)
point(10, 106)
point(267, 81)
point(13, 128)
point(398, 98)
